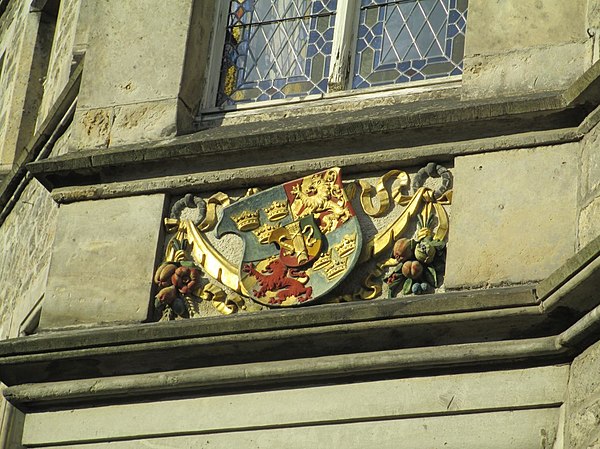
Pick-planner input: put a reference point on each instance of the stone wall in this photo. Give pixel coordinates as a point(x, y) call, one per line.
point(26, 239)
point(520, 210)
point(589, 189)
point(61, 58)
point(583, 401)
point(12, 25)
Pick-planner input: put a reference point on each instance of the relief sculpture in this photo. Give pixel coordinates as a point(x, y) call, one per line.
point(301, 241)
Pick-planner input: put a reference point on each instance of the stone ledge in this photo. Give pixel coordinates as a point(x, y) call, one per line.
point(460, 330)
point(273, 320)
point(349, 134)
point(267, 173)
point(376, 137)
point(577, 279)
point(280, 373)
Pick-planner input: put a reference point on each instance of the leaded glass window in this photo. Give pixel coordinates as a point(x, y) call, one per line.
point(409, 40)
point(276, 49)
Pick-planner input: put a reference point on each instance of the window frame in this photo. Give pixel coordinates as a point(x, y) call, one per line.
point(341, 68)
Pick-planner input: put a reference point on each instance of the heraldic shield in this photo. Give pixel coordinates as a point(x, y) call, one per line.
point(300, 239)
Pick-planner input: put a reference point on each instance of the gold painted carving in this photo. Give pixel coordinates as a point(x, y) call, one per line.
point(383, 240)
point(263, 233)
point(323, 262)
point(211, 261)
point(336, 268)
point(346, 246)
point(316, 194)
point(247, 220)
point(210, 221)
point(297, 241)
point(381, 193)
point(277, 210)
point(319, 193)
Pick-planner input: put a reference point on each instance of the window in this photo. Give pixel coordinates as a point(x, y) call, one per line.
point(277, 49)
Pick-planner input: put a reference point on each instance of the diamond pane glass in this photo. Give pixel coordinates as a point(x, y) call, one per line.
point(276, 49)
point(409, 40)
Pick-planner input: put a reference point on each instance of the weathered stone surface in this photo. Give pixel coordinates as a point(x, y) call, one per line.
point(26, 238)
point(583, 401)
point(513, 216)
point(499, 26)
point(17, 107)
point(512, 47)
point(59, 68)
point(589, 222)
point(590, 176)
point(91, 128)
point(131, 66)
point(141, 122)
point(397, 398)
point(524, 70)
point(103, 261)
point(581, 264)
point(514, 429)
point(127, 60)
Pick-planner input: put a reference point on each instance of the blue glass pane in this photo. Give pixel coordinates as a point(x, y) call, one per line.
point(418, 32)
point(276, 49)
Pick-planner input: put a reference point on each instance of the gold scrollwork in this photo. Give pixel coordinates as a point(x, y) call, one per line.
point(381, 193)
point(211, 261)
point(383, 240)
point(218, 199)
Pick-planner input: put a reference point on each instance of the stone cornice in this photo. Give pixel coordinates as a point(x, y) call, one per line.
point(374, 137)
point(466, 330)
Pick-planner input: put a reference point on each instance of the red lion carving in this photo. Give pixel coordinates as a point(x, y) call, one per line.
point(280, 279)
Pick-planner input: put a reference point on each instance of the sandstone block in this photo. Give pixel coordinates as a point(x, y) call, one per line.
point(102, 261)
point(499, 26)
point(524, 71)
point(91, 128)
point(143, 122)
point(513, 216)
point(127, 60)
point(589, 222)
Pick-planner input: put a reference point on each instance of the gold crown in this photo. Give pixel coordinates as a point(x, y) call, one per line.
point(277, 210)
point(263, 233)
point(347, 245)
point(246, 221)
point(323, 261)
point(337, 267)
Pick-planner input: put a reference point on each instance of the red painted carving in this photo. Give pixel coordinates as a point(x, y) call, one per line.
point(281, 279)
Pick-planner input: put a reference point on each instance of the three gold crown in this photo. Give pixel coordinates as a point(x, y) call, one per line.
point(263, 233)
point(336, 268)
point(247, 220)
point(277, 210)
point(346, 246)
point(323, 261)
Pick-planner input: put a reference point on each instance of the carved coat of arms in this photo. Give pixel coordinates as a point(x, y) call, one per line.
point(300, 239)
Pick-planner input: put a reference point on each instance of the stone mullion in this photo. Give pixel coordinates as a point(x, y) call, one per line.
point(344, 43)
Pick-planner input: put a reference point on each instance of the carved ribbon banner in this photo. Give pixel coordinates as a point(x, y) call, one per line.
point(381, 193)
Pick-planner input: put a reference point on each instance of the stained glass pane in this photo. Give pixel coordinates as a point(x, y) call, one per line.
point(276, 49)
point(409, 40)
